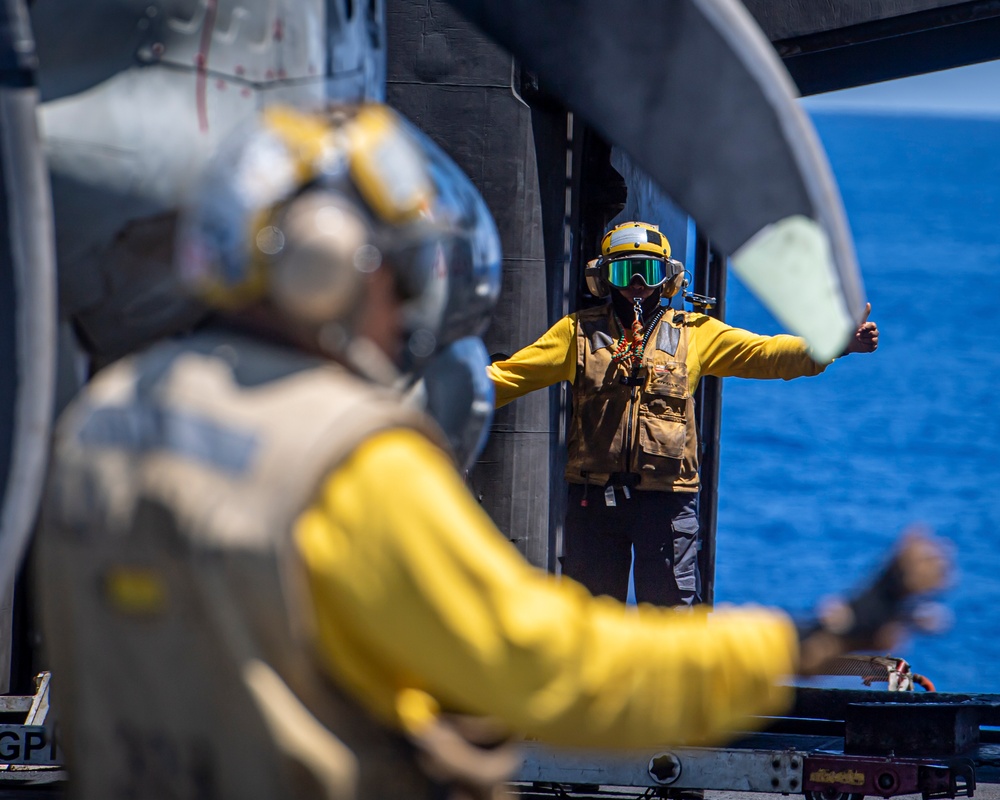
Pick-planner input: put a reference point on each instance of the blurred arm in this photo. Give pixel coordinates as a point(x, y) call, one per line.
point(422, 594)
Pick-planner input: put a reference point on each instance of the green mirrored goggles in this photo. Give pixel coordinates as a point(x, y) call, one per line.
point(652, 271)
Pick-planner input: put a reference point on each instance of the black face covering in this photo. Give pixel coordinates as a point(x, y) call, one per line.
point(623, 306)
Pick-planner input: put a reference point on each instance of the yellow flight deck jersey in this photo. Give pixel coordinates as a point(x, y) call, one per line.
point(422, 604)
point(714, 348)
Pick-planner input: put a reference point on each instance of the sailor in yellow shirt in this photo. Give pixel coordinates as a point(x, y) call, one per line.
point(262, 574)
point(634, 365)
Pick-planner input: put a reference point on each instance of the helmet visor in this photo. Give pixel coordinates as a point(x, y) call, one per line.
point(652, 271)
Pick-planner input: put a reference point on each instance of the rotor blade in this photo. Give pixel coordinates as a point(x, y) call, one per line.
point(695, 94)
point(27, 293)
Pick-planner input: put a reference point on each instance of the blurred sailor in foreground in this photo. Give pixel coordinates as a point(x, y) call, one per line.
point(262, 572)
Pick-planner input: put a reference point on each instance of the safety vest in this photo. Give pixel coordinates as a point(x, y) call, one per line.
point(175, 609)
point(633, 427)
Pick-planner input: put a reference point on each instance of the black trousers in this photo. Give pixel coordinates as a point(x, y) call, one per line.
point(663, 528)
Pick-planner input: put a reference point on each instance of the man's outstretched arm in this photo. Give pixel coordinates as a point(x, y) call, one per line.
point(547, 361)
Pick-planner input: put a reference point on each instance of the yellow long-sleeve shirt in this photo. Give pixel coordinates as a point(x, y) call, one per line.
point(420, 601)
point(714, 348)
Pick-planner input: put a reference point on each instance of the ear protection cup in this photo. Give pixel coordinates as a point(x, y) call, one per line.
point(672, 285)
point(592, 275)
point(320, 252)
point(677, 281)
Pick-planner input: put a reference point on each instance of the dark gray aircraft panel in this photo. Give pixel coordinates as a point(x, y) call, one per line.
point(254, 42)
point(828, 46)
point(786, 19)
point(27, 301)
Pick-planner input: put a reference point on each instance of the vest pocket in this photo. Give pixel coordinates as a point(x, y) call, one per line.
point(661, 437)
point(667, 378)
point(662, 421)
point(665, 394)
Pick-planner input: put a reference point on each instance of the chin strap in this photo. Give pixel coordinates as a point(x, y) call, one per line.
point(637, 322)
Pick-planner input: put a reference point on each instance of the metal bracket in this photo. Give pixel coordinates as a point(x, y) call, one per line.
point(884, 776)
point(681, 768)
point(29, 752)
point(702, 301)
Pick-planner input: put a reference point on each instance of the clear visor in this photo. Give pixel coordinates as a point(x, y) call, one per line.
point(652, 271)
point(456, 392)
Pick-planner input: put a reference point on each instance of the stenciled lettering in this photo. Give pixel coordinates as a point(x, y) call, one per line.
point(849, 777)
point(7, 750)
point(28, 744)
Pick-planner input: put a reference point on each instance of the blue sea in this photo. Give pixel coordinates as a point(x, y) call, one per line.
point(818, 476)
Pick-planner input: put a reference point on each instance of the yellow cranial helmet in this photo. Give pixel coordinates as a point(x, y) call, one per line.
point(634, 238)
point(634, 251)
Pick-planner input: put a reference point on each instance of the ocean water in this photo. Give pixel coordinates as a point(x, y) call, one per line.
point(819, 475)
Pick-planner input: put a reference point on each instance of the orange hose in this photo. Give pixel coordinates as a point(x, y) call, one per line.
point(925, 682)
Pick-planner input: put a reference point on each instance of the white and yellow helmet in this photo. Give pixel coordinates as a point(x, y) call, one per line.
point(294, 211)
